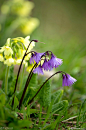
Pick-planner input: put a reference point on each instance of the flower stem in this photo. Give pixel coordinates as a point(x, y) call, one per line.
point(42, 86)
point(22, 76)
point(20, 69)
point(6, 80)
point(26, 85)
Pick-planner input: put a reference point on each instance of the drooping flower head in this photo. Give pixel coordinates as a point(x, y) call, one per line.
point(46, 66)
point(68, 80)
point(36, 57)
point(38, 70)
point(54, 61)
point(49, 61)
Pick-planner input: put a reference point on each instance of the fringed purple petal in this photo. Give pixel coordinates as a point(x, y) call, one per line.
point(38, 70)
point(54, 62)
point(36, 57)
point(64, 83)
point(68, 80)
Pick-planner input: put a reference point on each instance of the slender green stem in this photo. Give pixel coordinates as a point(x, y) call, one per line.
point(6, 80)
point(21, 78)
point(42, 86)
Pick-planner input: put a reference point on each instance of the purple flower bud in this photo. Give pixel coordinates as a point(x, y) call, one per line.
point(38, 70)
point(35, 40)
point(68, 80)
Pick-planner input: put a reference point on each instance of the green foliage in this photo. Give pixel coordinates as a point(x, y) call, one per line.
point(59, 106)
point(16, 102)
point(56, 96)
point(11, 80)
point(44, 96)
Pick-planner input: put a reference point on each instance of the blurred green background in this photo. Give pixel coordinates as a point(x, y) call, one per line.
point(62, 27)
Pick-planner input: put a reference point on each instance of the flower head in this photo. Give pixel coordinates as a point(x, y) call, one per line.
point(7, 50)
point(36, 57)
point(54, 62)
point(46, 66)
point(14, 49)
point(10, 61)
point(68, 80)
point(38, 70)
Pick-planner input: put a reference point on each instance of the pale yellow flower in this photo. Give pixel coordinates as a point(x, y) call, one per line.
point(7, 50)
point(29, 25)
point(1, 57)
point(8, 41)
point(26, 42)
point(25, 63)
point(22, 52)
point(25, 9)
point(18, 61)
point(15, 54)
point(21, 7)
point(10, 61)
point(28, 56)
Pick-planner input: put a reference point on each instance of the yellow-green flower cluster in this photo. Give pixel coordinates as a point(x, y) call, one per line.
point(13, 51)
point(21, 10)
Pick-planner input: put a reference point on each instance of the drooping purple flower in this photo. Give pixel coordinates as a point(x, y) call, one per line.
point(38, 70)
point(36, 57)
point(68, 80)
point(54, 62)
point(46, 65)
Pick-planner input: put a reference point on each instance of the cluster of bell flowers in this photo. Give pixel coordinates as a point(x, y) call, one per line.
point(13, 51)
point(50, 61)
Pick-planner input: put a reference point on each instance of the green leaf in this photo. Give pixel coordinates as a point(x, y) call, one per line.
point(1, 92)
point(45, 95)
point(16, 102)
point(10, 81)
point(59, 106)
point(56, 96)
point(24, 123)
point(2, 100)
point(48, 113)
